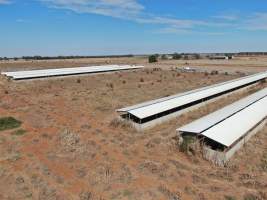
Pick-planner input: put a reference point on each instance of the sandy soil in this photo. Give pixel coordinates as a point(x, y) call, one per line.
point(73, 149)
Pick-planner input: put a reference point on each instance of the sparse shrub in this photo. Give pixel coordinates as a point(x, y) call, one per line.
point(177, 56)
point(6, 92)
point(196, 56)
point(117, 122)
point(86, 196)
point(110, 85)
point(226, 73)
point(78, 80)
point(7, 123)
point(139, 85)
point(186, 57)
point(127, 193)
point(214, 72)
point(250, 197)
point(176, 195)
point(186, 145)
point(152, 59)
point(142, 80)
point(164, 57)
point(264, 162)
point(123, 82)
point(19, 132)
point(229, 197)
point(159, 81)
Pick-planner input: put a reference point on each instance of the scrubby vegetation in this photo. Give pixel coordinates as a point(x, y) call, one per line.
point(176, 56)
point(152, 59)
point(7, 123)
point(264, 162)
point(19, 132)
point(186, 145)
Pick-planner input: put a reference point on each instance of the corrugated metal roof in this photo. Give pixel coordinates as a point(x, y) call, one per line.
point(151, 108)
point(67, 71)
point(206, 122)
point(233, 128)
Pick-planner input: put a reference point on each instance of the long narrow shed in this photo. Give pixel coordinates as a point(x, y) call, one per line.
point(150, 113)
point(225, 131)
point(32, 74)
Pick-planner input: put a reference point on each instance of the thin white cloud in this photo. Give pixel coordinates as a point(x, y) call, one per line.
point(21, 21)
point(256, 22)
point(116, 8)
point(5, 2)
point(134, 11)
point(228, 17)
point(128, 10)
point(172, 30)
point(186, 24)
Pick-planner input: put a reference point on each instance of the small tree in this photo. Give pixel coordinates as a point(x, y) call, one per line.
point(152, 59)
point(196, 56)
point(177, 56)
point(164, 57)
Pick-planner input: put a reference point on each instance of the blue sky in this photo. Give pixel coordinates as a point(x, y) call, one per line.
point(105, 27)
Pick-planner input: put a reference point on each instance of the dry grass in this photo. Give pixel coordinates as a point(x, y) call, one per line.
point(75, 148)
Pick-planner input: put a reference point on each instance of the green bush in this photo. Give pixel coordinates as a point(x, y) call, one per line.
point(164, 57)
point(196, 56)
point(250, 197)
point(177, 56)
point(152, 59)
point(7, 123)
point(19, 132)
point(188, 140)
point(229, 197)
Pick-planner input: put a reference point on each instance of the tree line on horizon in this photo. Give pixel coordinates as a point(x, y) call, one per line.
point(62, 57)
point(152, 58)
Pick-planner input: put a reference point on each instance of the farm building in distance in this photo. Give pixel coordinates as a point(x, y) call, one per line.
point(221, 57)
point(33, 74)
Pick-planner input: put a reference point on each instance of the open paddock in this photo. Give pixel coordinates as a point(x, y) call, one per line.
point(72, 146)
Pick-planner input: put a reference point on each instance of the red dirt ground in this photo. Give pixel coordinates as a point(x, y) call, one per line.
point(73, 150)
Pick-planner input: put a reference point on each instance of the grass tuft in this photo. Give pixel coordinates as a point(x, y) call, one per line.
point(264, 162)
point(229, 197)
point(7, 123)
point(19, 132)
point(186, 145)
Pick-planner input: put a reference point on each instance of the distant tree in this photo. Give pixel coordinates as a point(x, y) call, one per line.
point(152, 59)
point(186, 57)
point(164, 57)
point(196, 56)
point(177, 56)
